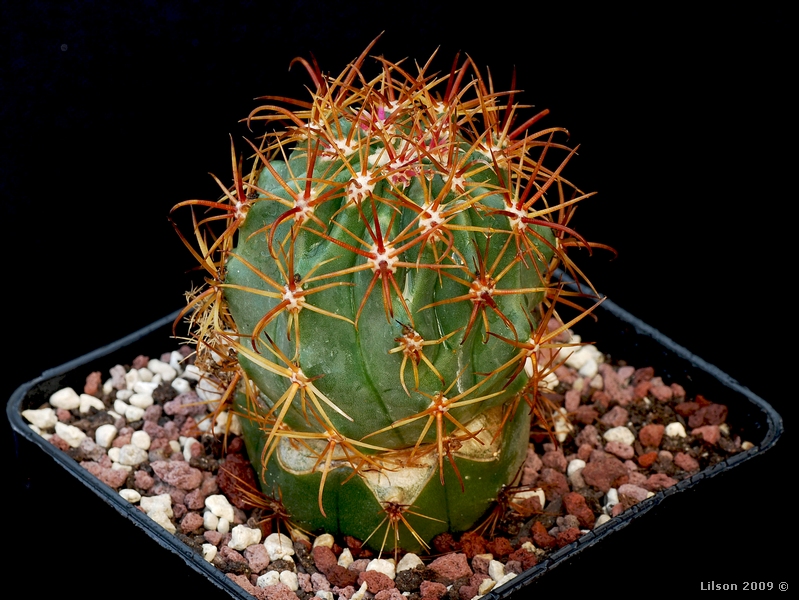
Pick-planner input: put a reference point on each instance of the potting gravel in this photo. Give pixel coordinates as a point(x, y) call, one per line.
point(149, 431)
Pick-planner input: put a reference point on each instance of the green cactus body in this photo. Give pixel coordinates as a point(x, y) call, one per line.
point(384, 283)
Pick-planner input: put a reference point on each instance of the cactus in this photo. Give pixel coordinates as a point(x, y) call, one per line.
point(381, 309)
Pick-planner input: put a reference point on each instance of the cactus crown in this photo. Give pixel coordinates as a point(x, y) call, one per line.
point(381, 296)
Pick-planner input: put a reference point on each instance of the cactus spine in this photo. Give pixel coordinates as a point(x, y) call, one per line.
point(380, 297)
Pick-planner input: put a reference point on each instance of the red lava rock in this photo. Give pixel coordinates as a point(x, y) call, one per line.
point(622, 450)
point(191, 522)
point(339, 576)
point(541, 537)
point(444, 542)
point(663, 393)
point(651, 435)
point(686, 462)
point(643, 374)
point(94, 384)
point(526, 558)
point(393, 594)
point(375, 581)
point(122, 438)
point(257, 557)
point(686, 409)
point(572, 400)
point(634, 492)
point(500, 547)
point(63, 415)
point(659, 481)
point(710, 433)
point(185, 404)
point(616, 417)
point(641, 390)
point(480, 563)
point(450, 567)
point(564, 538)
point(431, 590)
point(554, 484)
point(114, 478)
point(473, 543)
point(576, 505)
point(585, 414)
point(604, 472)
point(235, 479)
point(213, 537)
point(600, 398)
point(614, 385)
point(589, 435)
point(712, 414)
point(140, 362)
point(648, 459)
point(678, 391)
point(554, 459)
point(324, 559)
point(178, 473)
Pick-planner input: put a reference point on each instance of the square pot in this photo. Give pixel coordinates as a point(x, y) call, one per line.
point(616, 332)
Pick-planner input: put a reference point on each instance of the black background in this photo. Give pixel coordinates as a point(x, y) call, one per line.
point(113, 112)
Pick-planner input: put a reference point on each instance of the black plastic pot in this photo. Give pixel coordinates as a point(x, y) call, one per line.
point(616, 332)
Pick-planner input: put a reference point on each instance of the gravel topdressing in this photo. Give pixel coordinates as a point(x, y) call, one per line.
point(144, 430)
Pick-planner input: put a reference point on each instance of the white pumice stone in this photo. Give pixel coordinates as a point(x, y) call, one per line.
point(88, 402)
point(345, 559)
point(381, 565)
point(582, 355)
point(278, 546)
point(325, 539)
point(675, 429)
point(163, 520)
point(528, 546)
point(325, 595)
point(162, 502)
point(209, 552)
point(105, 435)
point(70, 434)
point(601, 520)
point(361, 592)
point(193, 373)
point(506, 579)
point(132, 455)
point(115, 414)
point(134, 413)
point(611, 499)
point(120, 467)
point(187, 448)
point(747, 445)
point(561, 424)
point(146, 387)
point(131, 378)
point(66, 398)
point(290, 580)
point(299, 536)
point(496, 570)
point(159, 367)
point(141, 400)
point(221, 507)
point(596, 382)
point(124, 395)
point(267, 579)
point(409, 561)
point(574, 465)
point(209, 390)
point(141, 439)
point(113, 453)
point(131, 496)
point(175, 445)
point(210, 520)
point(242, 537)
point(620, 434)
point(35, 429)
point(180, 385)
point(120, 406)
point(589, 369)
point(176, 361)
point(43, 418)
point(485, 586)
point(145, 375)
point(223, 526)
point(108, 386)
point(204, 425)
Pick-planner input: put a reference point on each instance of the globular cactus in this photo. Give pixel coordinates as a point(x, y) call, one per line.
point(381, 294)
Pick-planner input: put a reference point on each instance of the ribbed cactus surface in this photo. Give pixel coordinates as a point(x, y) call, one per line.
point(380, 292)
